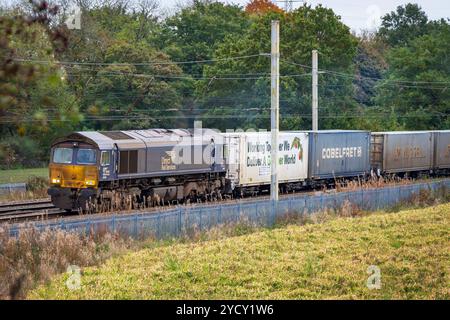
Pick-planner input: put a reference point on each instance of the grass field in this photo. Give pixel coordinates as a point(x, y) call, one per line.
point(21, 175)
point(314, 261)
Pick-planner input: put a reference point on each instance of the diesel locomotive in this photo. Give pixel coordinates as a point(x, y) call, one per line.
point(136, 166)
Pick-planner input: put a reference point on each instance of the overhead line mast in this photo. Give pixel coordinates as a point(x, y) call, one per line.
point(315, 95)
point(275, 104)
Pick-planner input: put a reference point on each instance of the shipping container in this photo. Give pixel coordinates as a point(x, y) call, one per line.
point(442, 149)
point(248, 157)
point(338, 153)
point(402, 151)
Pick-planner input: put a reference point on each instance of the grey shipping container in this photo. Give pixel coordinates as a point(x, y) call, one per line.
point(338, 153)
point(402, 151)
point(442, 149)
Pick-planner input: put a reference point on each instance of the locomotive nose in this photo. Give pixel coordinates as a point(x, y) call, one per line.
point(73, 176)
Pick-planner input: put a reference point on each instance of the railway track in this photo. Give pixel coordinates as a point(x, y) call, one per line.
point(29, 210)
point(43, 209)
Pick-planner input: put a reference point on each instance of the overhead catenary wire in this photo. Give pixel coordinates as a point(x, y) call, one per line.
point(156, 118)
point(359, 77)
point(218, 77)
point(249, 76)
point(337, 73)
point(221, 117)
point(77, 68)
point(140, 63)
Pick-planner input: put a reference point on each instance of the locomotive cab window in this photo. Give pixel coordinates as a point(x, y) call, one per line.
point(86, 156)
point(62, 155)
point(105, 158)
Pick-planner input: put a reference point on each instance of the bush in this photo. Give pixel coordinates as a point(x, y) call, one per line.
point(35, 183)
point(21, 152)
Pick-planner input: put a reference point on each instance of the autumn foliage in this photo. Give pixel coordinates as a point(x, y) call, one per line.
point(262, 7)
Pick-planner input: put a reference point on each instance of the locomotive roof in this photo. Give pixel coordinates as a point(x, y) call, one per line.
point(132, 139)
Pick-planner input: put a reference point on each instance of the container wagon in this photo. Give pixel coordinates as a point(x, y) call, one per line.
point(410, 152)
point(338, 154)
point(248, 158)
point(442, 151)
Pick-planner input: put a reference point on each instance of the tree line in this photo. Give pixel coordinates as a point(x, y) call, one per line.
point(130, 66)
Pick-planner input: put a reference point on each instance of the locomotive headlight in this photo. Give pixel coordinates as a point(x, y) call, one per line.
point(55, 180)
point(89, 182)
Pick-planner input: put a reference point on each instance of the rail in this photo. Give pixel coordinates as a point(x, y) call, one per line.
point(28, 210)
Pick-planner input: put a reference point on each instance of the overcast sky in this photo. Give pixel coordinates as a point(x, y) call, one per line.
point(358, 14)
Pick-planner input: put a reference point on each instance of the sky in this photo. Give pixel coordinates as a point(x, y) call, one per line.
point(357, 14)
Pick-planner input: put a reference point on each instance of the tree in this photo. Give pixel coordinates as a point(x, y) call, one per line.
point(133, 94)
point(371, 64)
point(406, 23)
point(248, 99)
point(126, 82)
point(36, 103)
point(262, 7)
point(418, 79)
point(194, 33)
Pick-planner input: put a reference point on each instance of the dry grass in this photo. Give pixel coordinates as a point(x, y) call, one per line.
point(372, 183)
point(34, 257)
point(36, 188)
point(20, 196)
point(326, 258)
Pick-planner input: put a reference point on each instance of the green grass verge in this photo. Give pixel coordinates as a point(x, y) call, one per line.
point(314, 261)
point(21, 175)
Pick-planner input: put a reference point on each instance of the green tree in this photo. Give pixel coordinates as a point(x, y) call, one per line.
point(418, 79)
point(370, 66)
point(248, 99)
point(404, 24)
point(194, 33)
point(123, 80)
point(134, 94)
point(36, 103)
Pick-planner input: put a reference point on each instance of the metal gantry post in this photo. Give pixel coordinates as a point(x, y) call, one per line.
point(315, 98)
point(274, 107)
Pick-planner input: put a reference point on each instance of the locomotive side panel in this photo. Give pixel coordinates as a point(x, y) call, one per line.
point(171, 153)
point(338, 153)
point(184, 158)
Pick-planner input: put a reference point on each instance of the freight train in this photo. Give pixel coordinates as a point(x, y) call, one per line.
point(95, 171)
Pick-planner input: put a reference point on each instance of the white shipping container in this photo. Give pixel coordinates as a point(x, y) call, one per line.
point(249, 157)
